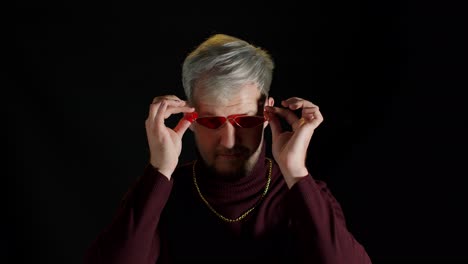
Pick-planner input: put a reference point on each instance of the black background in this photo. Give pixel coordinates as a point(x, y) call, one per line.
point(388, 77)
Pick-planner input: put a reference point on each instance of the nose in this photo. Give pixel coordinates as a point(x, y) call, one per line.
point(228, 135)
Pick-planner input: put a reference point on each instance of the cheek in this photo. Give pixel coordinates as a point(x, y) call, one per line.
point(250, 137)
point(205, 140)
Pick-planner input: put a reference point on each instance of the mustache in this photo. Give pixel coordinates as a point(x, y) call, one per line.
point(236, 150)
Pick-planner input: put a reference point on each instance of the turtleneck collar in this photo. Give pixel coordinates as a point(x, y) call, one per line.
point(218, 190)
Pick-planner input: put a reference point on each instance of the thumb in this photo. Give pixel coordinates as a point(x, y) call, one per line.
point(182, 126)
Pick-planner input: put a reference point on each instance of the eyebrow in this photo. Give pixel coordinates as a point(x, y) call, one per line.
point(202, 114)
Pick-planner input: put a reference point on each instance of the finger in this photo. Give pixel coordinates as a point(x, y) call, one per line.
point(313, 114)
point(182, 126)
point(295, 103)
point(296, 125)
point(159, 118)
point(172, 100)
point(171, 110)
point(318, 115)
point(309, 111)
point(153, 109)
point(167, 97)
point(275, 125)
point(285, 113)
point(173, 106)
point(305, 129)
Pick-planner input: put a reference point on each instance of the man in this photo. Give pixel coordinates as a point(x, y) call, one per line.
point(233, 203)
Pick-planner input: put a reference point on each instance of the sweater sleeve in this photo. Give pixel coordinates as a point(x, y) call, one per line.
point(319, 224)
point(133, 235)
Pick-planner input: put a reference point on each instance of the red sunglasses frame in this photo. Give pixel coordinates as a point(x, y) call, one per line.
point(193, 116)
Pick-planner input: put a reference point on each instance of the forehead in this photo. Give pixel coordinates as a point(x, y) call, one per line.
point(244, 100)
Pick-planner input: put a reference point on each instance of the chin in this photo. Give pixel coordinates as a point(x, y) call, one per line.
point(227, 165)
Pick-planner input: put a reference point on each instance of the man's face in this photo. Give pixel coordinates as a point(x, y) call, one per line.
point(229, 150)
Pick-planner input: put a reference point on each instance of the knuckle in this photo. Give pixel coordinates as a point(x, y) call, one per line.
point(165, 98)
point(154, 106)
point(156, 99)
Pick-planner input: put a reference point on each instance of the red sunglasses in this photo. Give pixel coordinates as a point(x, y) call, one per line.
point(214, 122)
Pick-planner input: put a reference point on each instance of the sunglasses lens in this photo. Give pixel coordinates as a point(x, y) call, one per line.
point(211, 122)
point(249, 121)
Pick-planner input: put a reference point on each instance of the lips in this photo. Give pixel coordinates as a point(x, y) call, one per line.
point(230, 154)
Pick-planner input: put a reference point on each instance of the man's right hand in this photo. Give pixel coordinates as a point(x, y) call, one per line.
point(165, 143)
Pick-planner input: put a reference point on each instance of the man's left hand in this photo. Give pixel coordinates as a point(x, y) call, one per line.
point(290, 146)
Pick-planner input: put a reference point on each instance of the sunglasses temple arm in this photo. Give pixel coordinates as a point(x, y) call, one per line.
point(191, 117)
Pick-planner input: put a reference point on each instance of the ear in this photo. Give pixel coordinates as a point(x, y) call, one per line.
point(268, 102)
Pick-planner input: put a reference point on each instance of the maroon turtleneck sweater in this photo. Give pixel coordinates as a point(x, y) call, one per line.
point(162, 221)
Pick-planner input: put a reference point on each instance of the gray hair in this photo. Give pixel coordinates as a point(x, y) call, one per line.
point(223, 63)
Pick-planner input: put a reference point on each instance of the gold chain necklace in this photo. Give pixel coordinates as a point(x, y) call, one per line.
point(267, 186)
